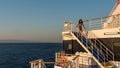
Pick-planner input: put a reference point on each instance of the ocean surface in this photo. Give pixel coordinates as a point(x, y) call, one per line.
point(18, 55)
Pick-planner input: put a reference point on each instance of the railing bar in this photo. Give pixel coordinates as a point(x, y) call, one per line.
point(104, 46)
point(101, 17)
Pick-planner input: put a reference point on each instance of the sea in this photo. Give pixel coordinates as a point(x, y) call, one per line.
point(18, 55)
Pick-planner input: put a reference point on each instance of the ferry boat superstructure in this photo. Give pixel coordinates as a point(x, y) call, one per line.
point(97, 47)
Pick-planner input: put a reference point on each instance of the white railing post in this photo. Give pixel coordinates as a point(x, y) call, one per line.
point(32, 65)
point(89, 25)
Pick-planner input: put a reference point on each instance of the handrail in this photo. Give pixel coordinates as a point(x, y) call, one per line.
point(70, 62)
point(73, 27)
point(103, 22)
point(89, 52)
point(100, 18)
point(39, 63)
point(106, 49)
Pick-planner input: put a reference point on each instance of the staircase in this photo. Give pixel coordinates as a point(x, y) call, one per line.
point(94, 49)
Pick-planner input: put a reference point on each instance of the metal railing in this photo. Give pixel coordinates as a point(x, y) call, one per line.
point(37, 64)
point(73, 63)
point(67, 26)
point(112, 21)
point(102, 48)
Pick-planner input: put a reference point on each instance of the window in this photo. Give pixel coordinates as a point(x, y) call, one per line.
point(69, 46)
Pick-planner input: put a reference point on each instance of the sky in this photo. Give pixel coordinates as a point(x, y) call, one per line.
point(43, 20)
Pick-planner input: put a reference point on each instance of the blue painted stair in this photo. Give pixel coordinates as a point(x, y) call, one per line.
point(92, 48)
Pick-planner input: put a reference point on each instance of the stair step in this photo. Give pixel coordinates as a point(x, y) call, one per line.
point(106, 64)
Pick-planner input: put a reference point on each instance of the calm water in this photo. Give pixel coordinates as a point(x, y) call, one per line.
point(18, 55)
